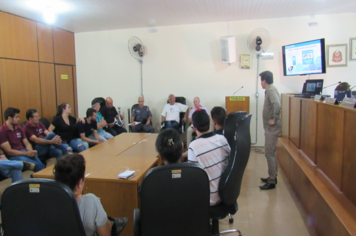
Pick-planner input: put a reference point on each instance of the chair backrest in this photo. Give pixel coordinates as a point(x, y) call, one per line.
point(40, 207)
point(23, 123)
point(353, 93)
point(230, 125)
point(175, 200)
point(231, 179)
point(102, 101)
point(45, 122)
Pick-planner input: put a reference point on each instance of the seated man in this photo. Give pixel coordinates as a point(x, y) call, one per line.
point(45, 143)
point(88, 128)
point(218, 114)
point(143, 115)
point(170, 113)
point(190, 130)
point(109, 113)
point(13, 169)
point(210, 150)
point(101, 123)
point(14, 142)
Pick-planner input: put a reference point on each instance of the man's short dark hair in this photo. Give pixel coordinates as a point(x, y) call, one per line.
point(169, 145)
point(29, 113)
point(10, 111)
point(218, 114)
point(267, 76)
point(201, 120)
point(90, 112)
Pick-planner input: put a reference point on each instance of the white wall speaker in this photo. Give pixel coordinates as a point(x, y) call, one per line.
point(228, 49)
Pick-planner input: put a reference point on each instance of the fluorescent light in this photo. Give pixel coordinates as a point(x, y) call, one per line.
point(49, 16)
point(58, 6)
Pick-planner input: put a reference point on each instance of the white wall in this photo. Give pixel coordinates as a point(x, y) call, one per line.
point(185, 60)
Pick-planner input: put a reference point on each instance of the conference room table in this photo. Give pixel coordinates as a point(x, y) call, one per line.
point(127, 151)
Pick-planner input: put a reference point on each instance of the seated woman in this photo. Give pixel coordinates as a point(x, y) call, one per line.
point(169, 145)
point(70, 170)
point(64, 126)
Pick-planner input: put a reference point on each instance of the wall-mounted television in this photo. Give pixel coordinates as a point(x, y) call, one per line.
point(304, 58)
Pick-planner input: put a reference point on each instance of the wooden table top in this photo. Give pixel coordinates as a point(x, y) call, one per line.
point(133, 151)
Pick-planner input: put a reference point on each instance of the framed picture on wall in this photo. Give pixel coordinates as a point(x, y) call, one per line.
point(352, 49)
point(336, 55)
point(245, 61)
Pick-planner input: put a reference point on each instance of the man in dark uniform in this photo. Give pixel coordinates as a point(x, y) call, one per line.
point(141, 118)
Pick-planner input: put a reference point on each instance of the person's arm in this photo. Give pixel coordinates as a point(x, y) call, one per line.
point(149, 120)
point(28, 146)
point(88, 140)
point(102, 124)
point(163, 114)
point(96, 136)
point(276, 104)
point(186, 114)
point(51, 128)
point(132, 121)
point(41, 141)
point(104, 230)
point(12, 152)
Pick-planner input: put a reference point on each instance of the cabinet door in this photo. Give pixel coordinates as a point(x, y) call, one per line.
point(65, 86)
point(48, 91)
point(63, 43)
point(20, 86)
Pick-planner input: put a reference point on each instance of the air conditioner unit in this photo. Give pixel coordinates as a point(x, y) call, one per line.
point(228, 49)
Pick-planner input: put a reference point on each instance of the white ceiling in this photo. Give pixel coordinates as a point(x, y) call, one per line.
point(97, 15)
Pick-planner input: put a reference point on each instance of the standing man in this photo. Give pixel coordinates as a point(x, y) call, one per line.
point(88, 130)
point(190, 130)
point(46, 144)
point(109, 113)
point(101, 123)
point(170, 113)
point(272, 124)
point(14, 142)
point(143, 115)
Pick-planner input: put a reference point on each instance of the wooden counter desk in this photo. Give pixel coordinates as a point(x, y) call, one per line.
point(103, 164)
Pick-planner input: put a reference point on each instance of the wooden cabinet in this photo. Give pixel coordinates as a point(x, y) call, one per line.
point(64, 52)
point(48, 90)
point(45, 43)
point(65, 86)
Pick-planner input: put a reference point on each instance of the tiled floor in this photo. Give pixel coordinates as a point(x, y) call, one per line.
point(275, 212)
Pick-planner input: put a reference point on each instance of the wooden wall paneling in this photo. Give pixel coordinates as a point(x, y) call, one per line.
point(18, 37)
point(65, 86)
point(45, 43)
point(48, 91)
point(20, 86)
point(308, 128)
point(294, 120)
point(75, 90)
point(64, 51)
point(349, 157)
point(329, 141)
point(285, 114)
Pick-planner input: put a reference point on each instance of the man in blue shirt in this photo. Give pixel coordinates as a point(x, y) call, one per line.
point(101, 123)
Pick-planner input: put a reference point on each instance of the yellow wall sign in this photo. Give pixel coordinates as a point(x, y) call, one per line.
point(64, 76)
point(237, 99)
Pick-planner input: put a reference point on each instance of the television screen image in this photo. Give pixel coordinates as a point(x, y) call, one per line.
point(304, 58)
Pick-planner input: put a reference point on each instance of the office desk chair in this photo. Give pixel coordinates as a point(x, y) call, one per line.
point(231, 178)
point(230, 125)
point(34, 207)
point(175, 201)
point(45, 122)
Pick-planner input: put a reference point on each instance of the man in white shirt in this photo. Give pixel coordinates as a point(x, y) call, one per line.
point(190, 130)
point(170, 113)
point(211, 151)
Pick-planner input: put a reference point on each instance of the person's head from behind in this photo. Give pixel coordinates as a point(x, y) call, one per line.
point(201, 121)
point(32, 116)
point(91, 114)
point(218, 114)
point(172, 99)
point(12, 115)
point(69, 170)
point(266, 79)
point(169, 146)
point(64, 108)
point(109, 102)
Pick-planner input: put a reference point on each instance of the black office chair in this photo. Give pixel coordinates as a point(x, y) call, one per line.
point(45, 122)
point(353, 93)
point(175, 201)
point(182, 124)
point(23, 123)
point(40, 207)
point(230, 125)
point(231, 178)
point(102, 101)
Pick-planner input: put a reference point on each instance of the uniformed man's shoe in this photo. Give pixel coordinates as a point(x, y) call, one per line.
point(267, 186)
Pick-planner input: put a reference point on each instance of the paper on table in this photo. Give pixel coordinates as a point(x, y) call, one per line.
point(126, 174)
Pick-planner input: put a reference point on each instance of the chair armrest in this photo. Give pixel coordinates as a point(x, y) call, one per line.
point(137, 227)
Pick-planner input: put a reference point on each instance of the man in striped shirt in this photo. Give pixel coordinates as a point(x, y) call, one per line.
point(210, 150)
